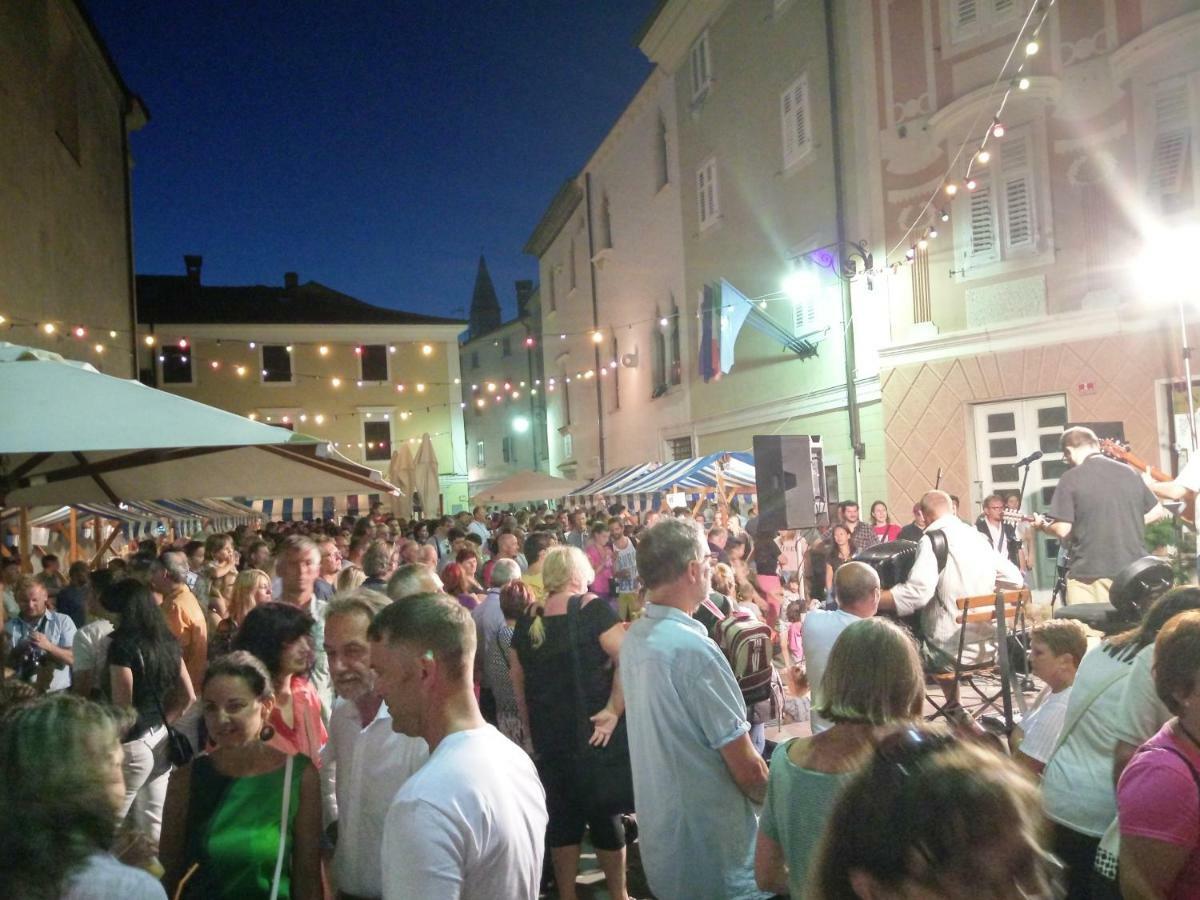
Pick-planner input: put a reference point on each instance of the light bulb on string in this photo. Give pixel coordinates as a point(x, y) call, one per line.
point(597, 337)
point(972, 184)
point(149, 340)
point(998, 130)
point(253, 345)
point(1023, 84)
point(49, 328)
point(951, 189)
point(933, 232)
point(945, 216)
point(923, 244)
point(111, 334)
point(79, 331)
point(1032, 48)
point(426, 349)
point(984, 157)
point(241, 370)
point(99, 348)
point(336, 382)
point(663, 322)
point(910, 252)
point(323, 350)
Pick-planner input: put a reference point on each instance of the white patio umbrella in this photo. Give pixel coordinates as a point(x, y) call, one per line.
point(425, 478)
point(74, 435)
point(526, 486)
point(400, 473)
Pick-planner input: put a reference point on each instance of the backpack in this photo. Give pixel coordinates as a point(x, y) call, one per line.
point(746, 643)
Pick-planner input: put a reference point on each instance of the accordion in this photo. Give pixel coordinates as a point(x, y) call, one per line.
point(891, 561)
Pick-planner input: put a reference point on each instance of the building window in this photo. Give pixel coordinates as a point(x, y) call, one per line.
point(1172, 145)
point(508, 449)
point(970, 19)
point(566, 395)
point(831, 487)
point(571, 271)
point(276, 364)
point(675, 372)
point(474, 359)
point(701, 65)
point(373, 363)
point(176, 365)
point(998, 220)
point(377, 441)
point(796, 121)
point(679, 448)
point(505, 346)
point(553, 293)
point(661, 156)
point(480, 455)
point(658, 353)
point(605, 234)
point(707, 202)
point(568, 446)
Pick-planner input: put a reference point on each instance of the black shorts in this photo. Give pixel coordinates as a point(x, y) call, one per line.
point(567, 808)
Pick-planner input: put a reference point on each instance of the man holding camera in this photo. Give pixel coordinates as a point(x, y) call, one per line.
point(41, 639)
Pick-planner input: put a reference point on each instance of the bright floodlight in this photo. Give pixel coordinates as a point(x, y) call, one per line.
point(800, 284)
point(1159, 270)
point(520, 424)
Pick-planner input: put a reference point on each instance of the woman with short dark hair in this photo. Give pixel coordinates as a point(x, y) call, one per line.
point(280, 636)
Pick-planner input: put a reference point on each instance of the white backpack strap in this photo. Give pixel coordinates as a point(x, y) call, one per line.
point(714, 609)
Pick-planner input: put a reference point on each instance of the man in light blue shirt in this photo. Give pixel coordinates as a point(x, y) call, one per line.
point(697, 779)
point(41, 640)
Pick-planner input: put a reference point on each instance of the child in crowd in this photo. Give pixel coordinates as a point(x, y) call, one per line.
point(1056, 647)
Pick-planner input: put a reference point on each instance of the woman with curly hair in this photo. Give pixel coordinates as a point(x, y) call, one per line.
point(280, 636)
point(61, 787)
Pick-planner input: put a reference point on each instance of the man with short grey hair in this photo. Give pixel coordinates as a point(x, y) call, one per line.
point(299, 565)
point(411, 579)
point(696, 774)
point(489, 619)
point(183, 612)
point(377, 566)
point(857, 598)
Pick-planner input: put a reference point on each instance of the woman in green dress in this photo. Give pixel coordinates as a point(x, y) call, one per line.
point(225, 811)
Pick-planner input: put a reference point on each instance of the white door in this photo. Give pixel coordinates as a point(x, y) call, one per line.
point(1007, 431)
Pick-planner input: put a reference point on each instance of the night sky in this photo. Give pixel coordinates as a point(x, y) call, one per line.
point(376, 146)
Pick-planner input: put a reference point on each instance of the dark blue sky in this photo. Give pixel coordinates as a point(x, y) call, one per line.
point(376, 146)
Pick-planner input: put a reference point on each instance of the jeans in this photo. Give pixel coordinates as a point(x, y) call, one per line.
point(147, 770)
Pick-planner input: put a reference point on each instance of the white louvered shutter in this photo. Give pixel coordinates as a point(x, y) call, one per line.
point(1016, 175)
point(1003, 7)
point(702, 193)
point(796, 122)
point(1172, 138)
point(964, 18)
point(981, 224)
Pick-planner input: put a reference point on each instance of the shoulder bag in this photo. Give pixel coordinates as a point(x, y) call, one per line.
point(605, 772)
point(179, 748)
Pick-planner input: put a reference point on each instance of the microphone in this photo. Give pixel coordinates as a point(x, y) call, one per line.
point(1030, 459)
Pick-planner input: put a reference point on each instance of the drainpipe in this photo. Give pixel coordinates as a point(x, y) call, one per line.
point(856, 444)
point(587, 184)
point(126, 109)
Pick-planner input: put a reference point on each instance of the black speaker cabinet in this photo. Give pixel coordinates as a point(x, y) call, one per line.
point(790, 479)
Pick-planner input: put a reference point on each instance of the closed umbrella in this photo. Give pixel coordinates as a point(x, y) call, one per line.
point(425, 478)
point(400, 473)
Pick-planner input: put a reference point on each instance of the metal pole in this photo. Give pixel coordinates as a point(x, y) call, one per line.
point(1187, 374)
point(847, 308)
point(587, 183)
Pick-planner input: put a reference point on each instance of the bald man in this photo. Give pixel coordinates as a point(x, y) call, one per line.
point(972, 568)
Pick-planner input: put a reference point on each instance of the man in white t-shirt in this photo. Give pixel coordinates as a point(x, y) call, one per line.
point(471, 822)
point(857, 598)
point(1056, 648)
point(364, 762)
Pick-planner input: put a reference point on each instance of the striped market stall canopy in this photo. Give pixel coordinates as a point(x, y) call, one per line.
point(141, 517)
point(613, 482)
point(642, 487)
point(291, 509)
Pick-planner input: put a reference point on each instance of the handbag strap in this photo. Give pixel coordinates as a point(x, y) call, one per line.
point(283, 825)
point(158, 705)
point(574, 606)
point(1096, 695)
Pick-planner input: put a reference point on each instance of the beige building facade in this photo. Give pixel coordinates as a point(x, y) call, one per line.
point(614, 341)
point(66, 257)
point(306, 357)
point(1029, 309)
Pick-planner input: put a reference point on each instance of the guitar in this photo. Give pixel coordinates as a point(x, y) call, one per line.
point(1120, 452)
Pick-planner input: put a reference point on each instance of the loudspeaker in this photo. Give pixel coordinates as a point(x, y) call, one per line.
point(789, 474)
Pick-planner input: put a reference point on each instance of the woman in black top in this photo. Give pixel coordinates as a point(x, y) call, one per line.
point(542, 672)
point(145, 669)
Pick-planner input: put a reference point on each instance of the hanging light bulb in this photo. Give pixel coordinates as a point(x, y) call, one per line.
point(241, 370)
point(79, 331)
point(99, 348)
point(149, 340)
point(972, 184)
point(910, 252)
point(998, 130)
point(253, 345)
point(984, 157)
point(1023, 84)
point(663, 322)
point(49, 328)
point(319, 419)
point(951, 189)
point(427, 349)
point(323, 350)
point(420, 388)
point(336, 382)
point(922, 244)
point(945, 215)
point(215, 364)
point(1032, 48)
point(597, 337)
point(111, 334)
point(933, 232)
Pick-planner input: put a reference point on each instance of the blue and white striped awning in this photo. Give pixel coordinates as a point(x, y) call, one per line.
point(688, 475)
point(614, 482)
point(292, 509)
point(140, 517)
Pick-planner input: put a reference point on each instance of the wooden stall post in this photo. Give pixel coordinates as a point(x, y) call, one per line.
point(73, 541)
point(26, 542)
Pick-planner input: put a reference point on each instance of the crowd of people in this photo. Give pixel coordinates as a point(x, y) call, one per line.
point(458, 707)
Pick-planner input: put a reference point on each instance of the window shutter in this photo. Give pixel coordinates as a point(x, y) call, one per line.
point(712, 190)
point(702, 194)
point(1019, 225)
point(1172, 138)
point(1003, 7)
point(699, 63)
point(964, 18)
point(981, 220)
point(797, 138)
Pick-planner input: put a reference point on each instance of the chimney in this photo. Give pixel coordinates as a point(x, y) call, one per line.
point(524, 292)
point(191, 265)
point(291, 280)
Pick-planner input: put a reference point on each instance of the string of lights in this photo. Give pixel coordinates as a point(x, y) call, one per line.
point(948, 186)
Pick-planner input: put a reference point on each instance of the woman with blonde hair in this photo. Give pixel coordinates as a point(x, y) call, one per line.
point(215, 582)
point(61, 787)
point(873, 681)
point(251, 588)
point(350, 578)
point(564, 654)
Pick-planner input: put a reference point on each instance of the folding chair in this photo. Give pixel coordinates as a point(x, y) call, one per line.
point(1003, 610)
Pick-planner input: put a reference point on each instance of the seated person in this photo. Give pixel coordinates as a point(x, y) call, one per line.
point(1055, 649)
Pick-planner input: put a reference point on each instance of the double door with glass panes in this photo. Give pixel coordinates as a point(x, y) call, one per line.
point(1007, 431)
